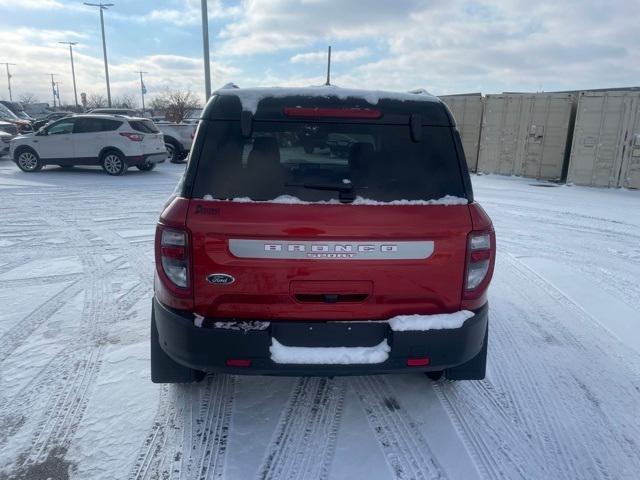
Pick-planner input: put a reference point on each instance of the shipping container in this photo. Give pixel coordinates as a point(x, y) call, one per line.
point(606, 140)
point(526, 134)
point(467, 110)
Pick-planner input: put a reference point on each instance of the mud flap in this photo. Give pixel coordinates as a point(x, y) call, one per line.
point(163, 368)
point(475, 368)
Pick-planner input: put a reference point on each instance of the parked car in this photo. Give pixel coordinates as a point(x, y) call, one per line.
point(177, 136)
point(7, 115)
point(130, 112)
point(273, 260)
point(114, 142)
point(38, 124)
point(5, 138)
point(177, 139)
point(17, 109)
point(8, 127)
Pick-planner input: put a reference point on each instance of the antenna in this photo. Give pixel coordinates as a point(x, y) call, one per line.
point(329, 67)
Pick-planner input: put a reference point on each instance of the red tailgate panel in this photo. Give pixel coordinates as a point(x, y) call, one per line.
point(284, 288)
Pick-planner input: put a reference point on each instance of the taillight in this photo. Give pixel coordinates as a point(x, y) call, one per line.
point(480, 258)
point(134, 137)
point(174, 256)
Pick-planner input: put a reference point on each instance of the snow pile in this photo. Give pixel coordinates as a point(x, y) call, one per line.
point(251, 97)
point(246, 326)
point(329, 355)
point(291, 200)
point(403, 323)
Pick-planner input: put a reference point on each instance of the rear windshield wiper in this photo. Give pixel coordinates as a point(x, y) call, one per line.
point(345, 190)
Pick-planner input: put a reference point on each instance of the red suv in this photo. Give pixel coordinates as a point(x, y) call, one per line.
point(322, 231)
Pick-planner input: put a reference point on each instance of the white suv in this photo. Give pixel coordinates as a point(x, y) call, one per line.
point(114, 142)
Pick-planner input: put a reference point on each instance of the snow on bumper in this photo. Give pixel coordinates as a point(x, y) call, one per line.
point(321, 348)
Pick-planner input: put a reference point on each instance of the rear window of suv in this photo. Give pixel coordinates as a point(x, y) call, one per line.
point(316, 162)
point(144, 126)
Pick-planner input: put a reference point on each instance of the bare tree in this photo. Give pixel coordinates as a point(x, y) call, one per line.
point(28, 98)
point(96, 100)
point(176, 104)
point(124, 101)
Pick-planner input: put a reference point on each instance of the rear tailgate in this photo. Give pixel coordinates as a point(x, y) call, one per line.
point(327, 262)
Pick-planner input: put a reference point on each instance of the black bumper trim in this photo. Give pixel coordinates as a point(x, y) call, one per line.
point(207, 348)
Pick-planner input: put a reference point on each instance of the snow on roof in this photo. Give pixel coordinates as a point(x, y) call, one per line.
point(251, 97)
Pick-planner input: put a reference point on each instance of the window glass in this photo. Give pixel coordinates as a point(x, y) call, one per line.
point(328, 161)
point(61, 127)
point(144, 126)
point(88, 125)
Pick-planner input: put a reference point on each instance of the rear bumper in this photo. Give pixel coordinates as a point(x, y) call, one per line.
point(208, 348)
point(149, 158)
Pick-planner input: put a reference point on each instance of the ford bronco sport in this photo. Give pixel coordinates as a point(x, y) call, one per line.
point(322, 231)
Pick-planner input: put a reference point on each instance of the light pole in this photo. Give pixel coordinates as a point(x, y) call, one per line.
point(73, 71)
point(143, 89)
point(205, 46)
point(53, 88)
point(103, 6)
point(8, 78)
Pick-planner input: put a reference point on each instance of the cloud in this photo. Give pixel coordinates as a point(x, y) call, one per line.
point(191, 13)
point(36, 55)
point(336, 56)
point(449, 46)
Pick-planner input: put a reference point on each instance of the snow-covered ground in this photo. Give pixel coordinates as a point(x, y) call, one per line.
point(561, 399)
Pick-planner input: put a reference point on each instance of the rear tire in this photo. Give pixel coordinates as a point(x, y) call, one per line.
point(113, 163)
point(28, 160)
point(166, 370)
point(435, 376)
point(146, 167)
point(173, 151)
point(475, 368)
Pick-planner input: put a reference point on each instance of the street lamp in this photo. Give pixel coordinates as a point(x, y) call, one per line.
point(103, 6)
point(6, 64)
point(73, 72)
point(205, 46)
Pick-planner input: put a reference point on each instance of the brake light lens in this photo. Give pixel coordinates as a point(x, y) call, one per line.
point(318, 112)
point(173, 253)
point(478, 259)
point(134, 137)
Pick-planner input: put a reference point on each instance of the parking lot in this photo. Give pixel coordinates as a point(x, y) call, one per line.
point(560, 399)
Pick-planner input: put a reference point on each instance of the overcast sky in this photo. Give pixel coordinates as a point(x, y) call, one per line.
point(444, 46)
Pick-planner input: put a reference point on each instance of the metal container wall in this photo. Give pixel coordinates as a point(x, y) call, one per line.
point(467, 110)
point(606, 140)
point(526, 134)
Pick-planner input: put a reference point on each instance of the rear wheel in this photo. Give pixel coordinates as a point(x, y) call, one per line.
point(166, 370)
point(174, 152)
point(435, 376)
point(146, 166)
point(113, 163)
point(28, 161)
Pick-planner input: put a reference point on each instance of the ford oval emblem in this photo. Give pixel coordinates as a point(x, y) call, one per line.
point(220, 279)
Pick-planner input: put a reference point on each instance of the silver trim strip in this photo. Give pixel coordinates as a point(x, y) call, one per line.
point(319, 250)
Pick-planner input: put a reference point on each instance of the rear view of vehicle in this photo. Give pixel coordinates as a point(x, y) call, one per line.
point(322, 232)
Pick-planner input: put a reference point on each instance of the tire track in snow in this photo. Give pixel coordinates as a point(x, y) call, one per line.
point(406, 451)
point(23, 329)
point(195, 422)
point(304, 441)
point(546, 434)
point(75, 371)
